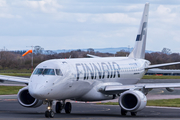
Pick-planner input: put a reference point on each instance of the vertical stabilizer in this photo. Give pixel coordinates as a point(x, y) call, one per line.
point(140, 44)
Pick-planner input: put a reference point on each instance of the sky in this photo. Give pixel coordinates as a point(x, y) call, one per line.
point(79, 24)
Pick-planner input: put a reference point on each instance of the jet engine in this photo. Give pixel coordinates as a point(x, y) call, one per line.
point(26, 100)
point(132, 100)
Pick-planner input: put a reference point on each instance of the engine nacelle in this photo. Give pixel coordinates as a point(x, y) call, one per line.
point(26, 100)
point(132, 100)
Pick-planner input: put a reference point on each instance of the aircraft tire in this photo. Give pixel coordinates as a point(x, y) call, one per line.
point(58, 107)
point(68, 107)
point(47, 114)
point(51, 115)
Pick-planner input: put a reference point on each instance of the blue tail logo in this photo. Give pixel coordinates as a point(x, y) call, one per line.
point(143, 32)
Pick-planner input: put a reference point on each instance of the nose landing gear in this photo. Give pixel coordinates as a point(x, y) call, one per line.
point(49, 112)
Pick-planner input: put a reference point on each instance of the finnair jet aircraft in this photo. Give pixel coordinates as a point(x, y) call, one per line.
point(92, 79)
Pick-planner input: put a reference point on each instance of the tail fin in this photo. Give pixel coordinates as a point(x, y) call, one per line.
point(140, 44)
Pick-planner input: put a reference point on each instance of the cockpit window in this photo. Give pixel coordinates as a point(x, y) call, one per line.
point(48, 72)
point(42, 71)
point(59, 72)
point(38, 71)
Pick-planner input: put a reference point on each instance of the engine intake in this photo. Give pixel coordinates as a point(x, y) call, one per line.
point(26, 100)
point(132, 100)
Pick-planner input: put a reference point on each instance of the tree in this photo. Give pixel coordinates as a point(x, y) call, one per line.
point(90, 50)
point(38, 50)
point(166, 51)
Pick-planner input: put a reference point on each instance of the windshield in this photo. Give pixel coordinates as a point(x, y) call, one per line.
point(38, 71)
point(42, 71)
point(48, 72)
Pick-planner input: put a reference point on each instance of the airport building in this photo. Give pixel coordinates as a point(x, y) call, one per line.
point(163, 72)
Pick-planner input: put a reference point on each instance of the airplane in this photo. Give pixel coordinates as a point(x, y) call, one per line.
point(92, 79)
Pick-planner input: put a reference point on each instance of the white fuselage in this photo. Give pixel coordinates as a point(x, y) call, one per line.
point(82, 78)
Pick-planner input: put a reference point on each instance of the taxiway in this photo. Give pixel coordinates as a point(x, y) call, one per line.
point(11, 110)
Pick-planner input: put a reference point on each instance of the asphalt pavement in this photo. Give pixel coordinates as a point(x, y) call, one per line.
point(11, 110)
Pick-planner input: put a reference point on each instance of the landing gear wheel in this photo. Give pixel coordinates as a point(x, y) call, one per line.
point(68, 107)
point(49, 114)
point(123, 112)
point(133, 113)
point(58, 107)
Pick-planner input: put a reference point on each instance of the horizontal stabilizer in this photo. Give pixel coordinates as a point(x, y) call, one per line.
point(92, 56)
point(161, 65)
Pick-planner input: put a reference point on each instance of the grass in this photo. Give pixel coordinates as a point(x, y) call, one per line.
point(9, 90)
point(163, 103)
point(17, 74)
point(15, 71)
point(160, 77)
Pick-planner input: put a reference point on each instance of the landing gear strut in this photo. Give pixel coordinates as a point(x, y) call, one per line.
point(123, 112)
point(133, 113)
point(49, 112)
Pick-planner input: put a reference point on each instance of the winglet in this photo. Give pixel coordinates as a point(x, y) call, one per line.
point(140, 44)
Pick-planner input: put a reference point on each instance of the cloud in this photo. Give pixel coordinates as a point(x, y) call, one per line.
point(5, 10)
point(87, 22)
point(113, 18)
point(3, 3)
point(166, 14)
point(46, 6)
point(6, 15)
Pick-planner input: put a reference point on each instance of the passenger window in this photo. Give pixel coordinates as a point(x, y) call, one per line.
point(48, 72)
point(59, 72)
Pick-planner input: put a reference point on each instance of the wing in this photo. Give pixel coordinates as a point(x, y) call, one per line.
point(116, 89)
point(92, 56)
point(14, 79)
point(161, 65)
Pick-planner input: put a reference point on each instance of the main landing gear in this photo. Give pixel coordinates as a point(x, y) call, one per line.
point(58, 108)
point(124, 112)
point(62, 105)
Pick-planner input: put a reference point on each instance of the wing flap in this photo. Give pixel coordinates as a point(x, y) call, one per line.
point(14, 79)
point(161, 85)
